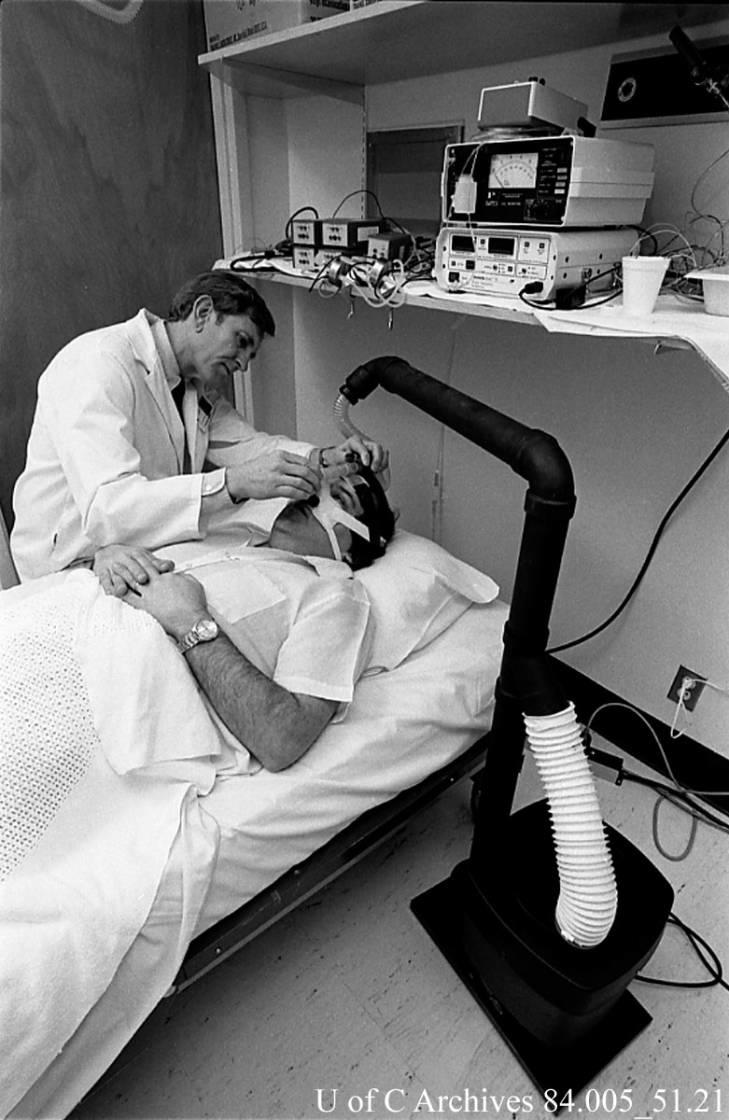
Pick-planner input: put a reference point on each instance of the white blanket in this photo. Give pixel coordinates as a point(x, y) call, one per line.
point(94, 790)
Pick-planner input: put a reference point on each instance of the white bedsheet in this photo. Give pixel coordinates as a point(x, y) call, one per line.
point(402, 726)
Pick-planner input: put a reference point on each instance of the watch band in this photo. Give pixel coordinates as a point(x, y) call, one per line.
point(204, 630)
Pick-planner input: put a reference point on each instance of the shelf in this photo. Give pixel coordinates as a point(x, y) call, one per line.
point(510, 310)
point(392, 40)
point(674, 325)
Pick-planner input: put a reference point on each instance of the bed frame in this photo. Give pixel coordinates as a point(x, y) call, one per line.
point(310, 876)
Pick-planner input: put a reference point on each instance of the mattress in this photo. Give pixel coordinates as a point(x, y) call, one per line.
point(402, 725)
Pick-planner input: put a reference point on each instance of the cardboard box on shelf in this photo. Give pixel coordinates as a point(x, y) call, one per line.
point(232, 21)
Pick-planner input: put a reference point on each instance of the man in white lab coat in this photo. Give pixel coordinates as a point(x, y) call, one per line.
point(129, 421)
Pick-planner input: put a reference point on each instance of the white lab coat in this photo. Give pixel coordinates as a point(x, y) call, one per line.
point(105, 453)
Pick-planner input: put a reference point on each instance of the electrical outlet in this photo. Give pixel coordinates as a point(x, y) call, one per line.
point(692, 685)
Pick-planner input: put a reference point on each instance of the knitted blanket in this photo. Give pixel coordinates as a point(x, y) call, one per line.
point(105, 745)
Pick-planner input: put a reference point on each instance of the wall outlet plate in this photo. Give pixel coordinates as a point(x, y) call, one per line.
point(691, 698)
point(656, 87)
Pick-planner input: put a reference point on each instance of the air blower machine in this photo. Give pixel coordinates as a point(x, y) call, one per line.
point(554, 912)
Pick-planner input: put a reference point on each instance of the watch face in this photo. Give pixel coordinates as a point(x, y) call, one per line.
point(206, 629)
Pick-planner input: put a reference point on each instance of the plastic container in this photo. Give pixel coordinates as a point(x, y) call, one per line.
point(715, 282)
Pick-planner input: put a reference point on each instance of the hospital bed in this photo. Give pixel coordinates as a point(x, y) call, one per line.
point(252, 847)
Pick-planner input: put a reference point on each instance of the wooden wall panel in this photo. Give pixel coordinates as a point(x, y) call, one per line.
point(109, 184)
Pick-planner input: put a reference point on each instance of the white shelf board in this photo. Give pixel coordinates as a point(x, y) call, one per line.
point(398, 39)
point(674, 325)
point(510, 309)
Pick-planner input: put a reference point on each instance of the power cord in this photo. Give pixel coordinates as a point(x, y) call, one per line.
point(607, 765)
point(710, 961)
point(254, 262)
point(611, 767)
point(569, 299)
point(651, 550)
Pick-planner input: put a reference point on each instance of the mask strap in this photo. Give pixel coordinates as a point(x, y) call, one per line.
point(333, 539)
point(329, 513)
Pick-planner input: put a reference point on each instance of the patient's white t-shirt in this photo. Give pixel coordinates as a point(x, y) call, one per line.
point(303, 621)
point(305, 630)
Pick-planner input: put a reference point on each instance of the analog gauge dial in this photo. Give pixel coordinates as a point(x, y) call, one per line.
point(514, 170)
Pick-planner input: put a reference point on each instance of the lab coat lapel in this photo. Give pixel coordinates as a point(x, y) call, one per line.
point(160, 390)
point(142, 342)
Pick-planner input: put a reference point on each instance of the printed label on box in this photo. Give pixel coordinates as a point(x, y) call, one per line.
point(231, 21)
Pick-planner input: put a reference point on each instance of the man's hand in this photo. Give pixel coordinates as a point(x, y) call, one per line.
point(120, 568)
point(177, 601)
point(343, 460)
point(372, 454)
point(275, 474)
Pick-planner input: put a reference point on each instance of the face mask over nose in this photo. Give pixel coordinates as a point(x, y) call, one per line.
point(328, 512)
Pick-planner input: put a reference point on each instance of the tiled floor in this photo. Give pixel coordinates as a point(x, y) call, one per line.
point(346, 1008)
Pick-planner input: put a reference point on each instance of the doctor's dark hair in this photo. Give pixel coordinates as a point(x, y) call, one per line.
point(231, 295)
point(376, 515)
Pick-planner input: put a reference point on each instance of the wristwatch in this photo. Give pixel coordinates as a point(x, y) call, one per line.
point(204, 630)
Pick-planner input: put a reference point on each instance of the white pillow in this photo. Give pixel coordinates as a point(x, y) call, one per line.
point(417, 590)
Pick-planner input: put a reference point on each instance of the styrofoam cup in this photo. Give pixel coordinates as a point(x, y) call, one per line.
point(642, 279)
point(715, 283)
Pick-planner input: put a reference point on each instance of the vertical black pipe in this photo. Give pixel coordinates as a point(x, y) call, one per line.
point(524, 684)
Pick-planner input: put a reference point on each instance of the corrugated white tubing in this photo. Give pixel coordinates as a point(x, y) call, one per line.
point(588, 896)
point(341, 418)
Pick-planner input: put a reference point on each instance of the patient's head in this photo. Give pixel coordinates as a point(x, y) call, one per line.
point(351, 521)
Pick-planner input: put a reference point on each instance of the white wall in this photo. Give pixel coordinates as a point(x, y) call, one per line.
point(634, 425)
point(307, 151)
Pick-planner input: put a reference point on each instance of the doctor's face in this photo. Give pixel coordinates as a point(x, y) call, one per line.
point(222, 344)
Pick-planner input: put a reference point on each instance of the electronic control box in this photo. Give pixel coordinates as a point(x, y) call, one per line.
point(389, 246)
point(306, 231)
point(349, 233)
point(308, 257)
point(546, 181)
point(315, 241)
point(503, 262)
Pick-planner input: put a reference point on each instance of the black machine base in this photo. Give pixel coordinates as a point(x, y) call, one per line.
point(547, 1066)
point(565, 1011)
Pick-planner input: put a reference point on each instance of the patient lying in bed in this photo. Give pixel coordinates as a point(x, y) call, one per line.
point(277, 634)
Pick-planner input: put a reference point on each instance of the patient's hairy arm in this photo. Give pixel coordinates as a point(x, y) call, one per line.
point(277, 726)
